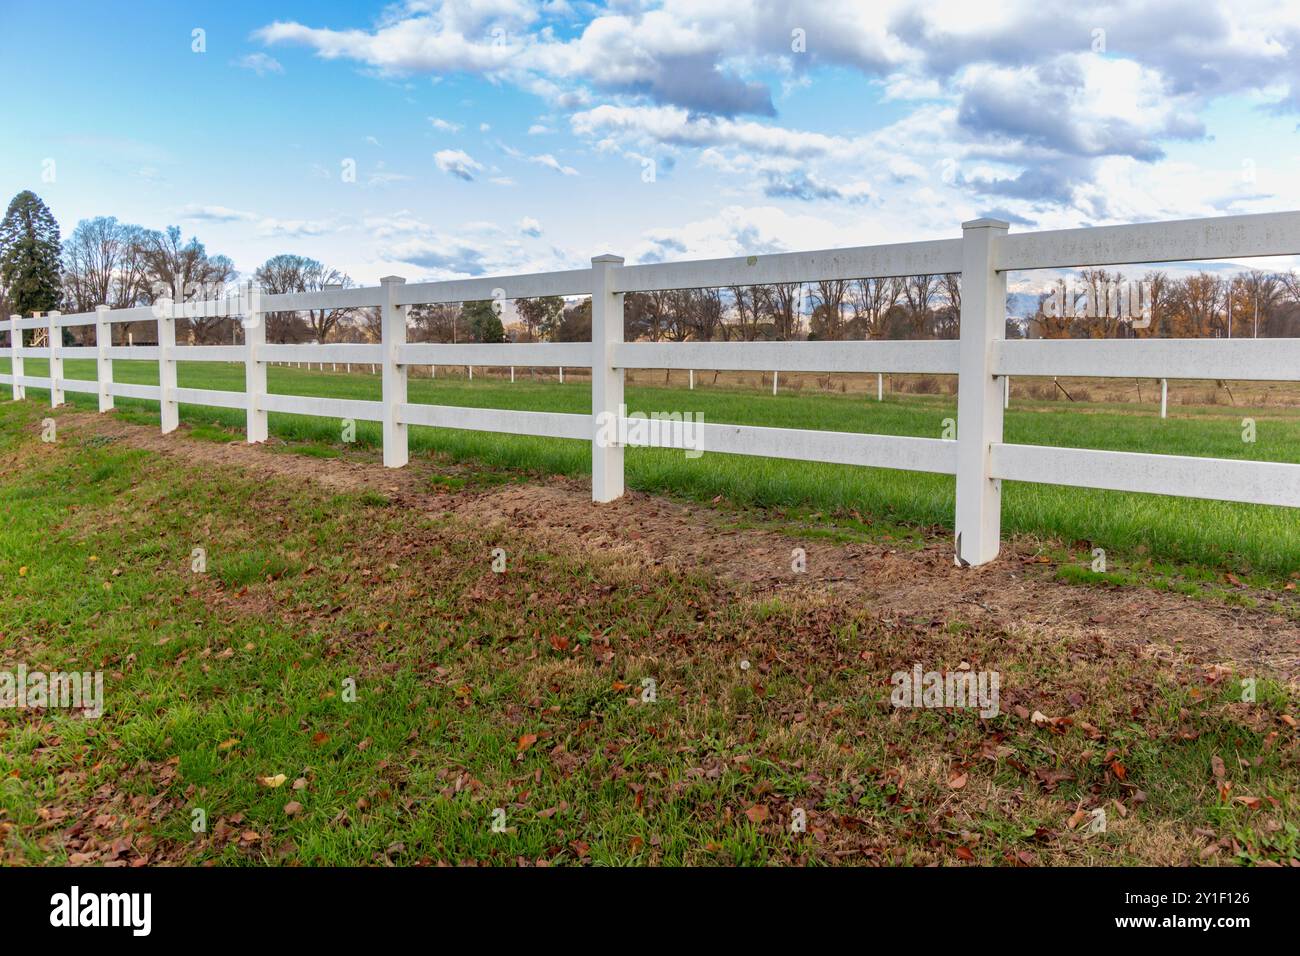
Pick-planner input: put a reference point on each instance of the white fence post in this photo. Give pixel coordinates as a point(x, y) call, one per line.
point(256, 425)
point(880, 386)
point(1164, 398)
point(103, 364)
point(16, 357)
point(56, 360)
point(393, 329)
point(1006, 391)
point(606, 380)
point(979, 404)
point(170, 412)
point(775, 375)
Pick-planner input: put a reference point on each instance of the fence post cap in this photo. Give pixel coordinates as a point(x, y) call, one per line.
point(392, 280)
point(607, 257)
point(101, 308)
point(986, 224)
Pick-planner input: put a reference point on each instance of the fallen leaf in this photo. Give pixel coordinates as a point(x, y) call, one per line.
point(957, 781)
point(756, 813)
point(273, 782)
point(292, 808)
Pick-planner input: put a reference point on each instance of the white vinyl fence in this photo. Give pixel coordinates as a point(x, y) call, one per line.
point(978, 456)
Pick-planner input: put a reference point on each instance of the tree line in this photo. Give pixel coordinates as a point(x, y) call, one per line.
point(122, 265)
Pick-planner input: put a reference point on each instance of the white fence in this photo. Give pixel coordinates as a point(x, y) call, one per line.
point(978, 456)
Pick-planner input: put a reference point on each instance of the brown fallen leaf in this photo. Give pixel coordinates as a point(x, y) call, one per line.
point(957, 781)
point(292, 808)
point(757, 813)
point(526, 741)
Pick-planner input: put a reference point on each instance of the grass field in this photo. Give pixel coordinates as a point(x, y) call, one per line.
point(1244, 539)
point(229, 691)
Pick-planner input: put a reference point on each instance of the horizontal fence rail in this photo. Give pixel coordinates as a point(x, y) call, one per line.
point(981, 358)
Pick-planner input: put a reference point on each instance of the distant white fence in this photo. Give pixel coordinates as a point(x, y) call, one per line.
point(978, 456)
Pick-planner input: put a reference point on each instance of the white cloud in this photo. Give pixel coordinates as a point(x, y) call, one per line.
point(444, 126)
point(263, 225)
point(528, 226)
point(260, 63)
point(550, 162)
point(458, 163)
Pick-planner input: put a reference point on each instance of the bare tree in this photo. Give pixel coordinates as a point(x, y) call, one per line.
point(1203, 297)
point(870, 300)
point(947, 321)
point(92, 257)
point(184, 272)
point(781, 303)
point(919, 293)
point(288, 273)
point(677, 323)
point(435, 322)
point(827, 319)
point(705, 314)
point(747, 300)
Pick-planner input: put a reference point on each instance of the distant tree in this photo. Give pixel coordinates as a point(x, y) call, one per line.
point(781, 303)
point(705, 316)
point(29, 255)
point(947, 320)
point(482, 321)
point(827, 318)
point(287, 273)
point(435, 322)
point(184, 272)
point(919, 293)
point(1257, 296)
point(676, 323)
point(747, 301)
point(870, 300)
point(104, 264)
point(540, 316)
point(1202, 299)
point(636, 316)
point(575, 323)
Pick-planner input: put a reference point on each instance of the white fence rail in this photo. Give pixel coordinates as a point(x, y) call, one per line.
point(982, 359)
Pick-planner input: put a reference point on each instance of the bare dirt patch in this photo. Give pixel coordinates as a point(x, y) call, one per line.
point(648, 531)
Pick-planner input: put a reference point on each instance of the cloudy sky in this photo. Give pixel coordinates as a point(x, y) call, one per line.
point(440, 138)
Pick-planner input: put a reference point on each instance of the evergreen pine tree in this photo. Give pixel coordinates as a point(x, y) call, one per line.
point(29, 255)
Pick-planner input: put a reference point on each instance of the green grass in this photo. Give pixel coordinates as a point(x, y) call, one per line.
point(477, 691)
point(1243, 538)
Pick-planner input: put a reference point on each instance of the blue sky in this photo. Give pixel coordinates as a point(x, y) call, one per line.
point(497, 136)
